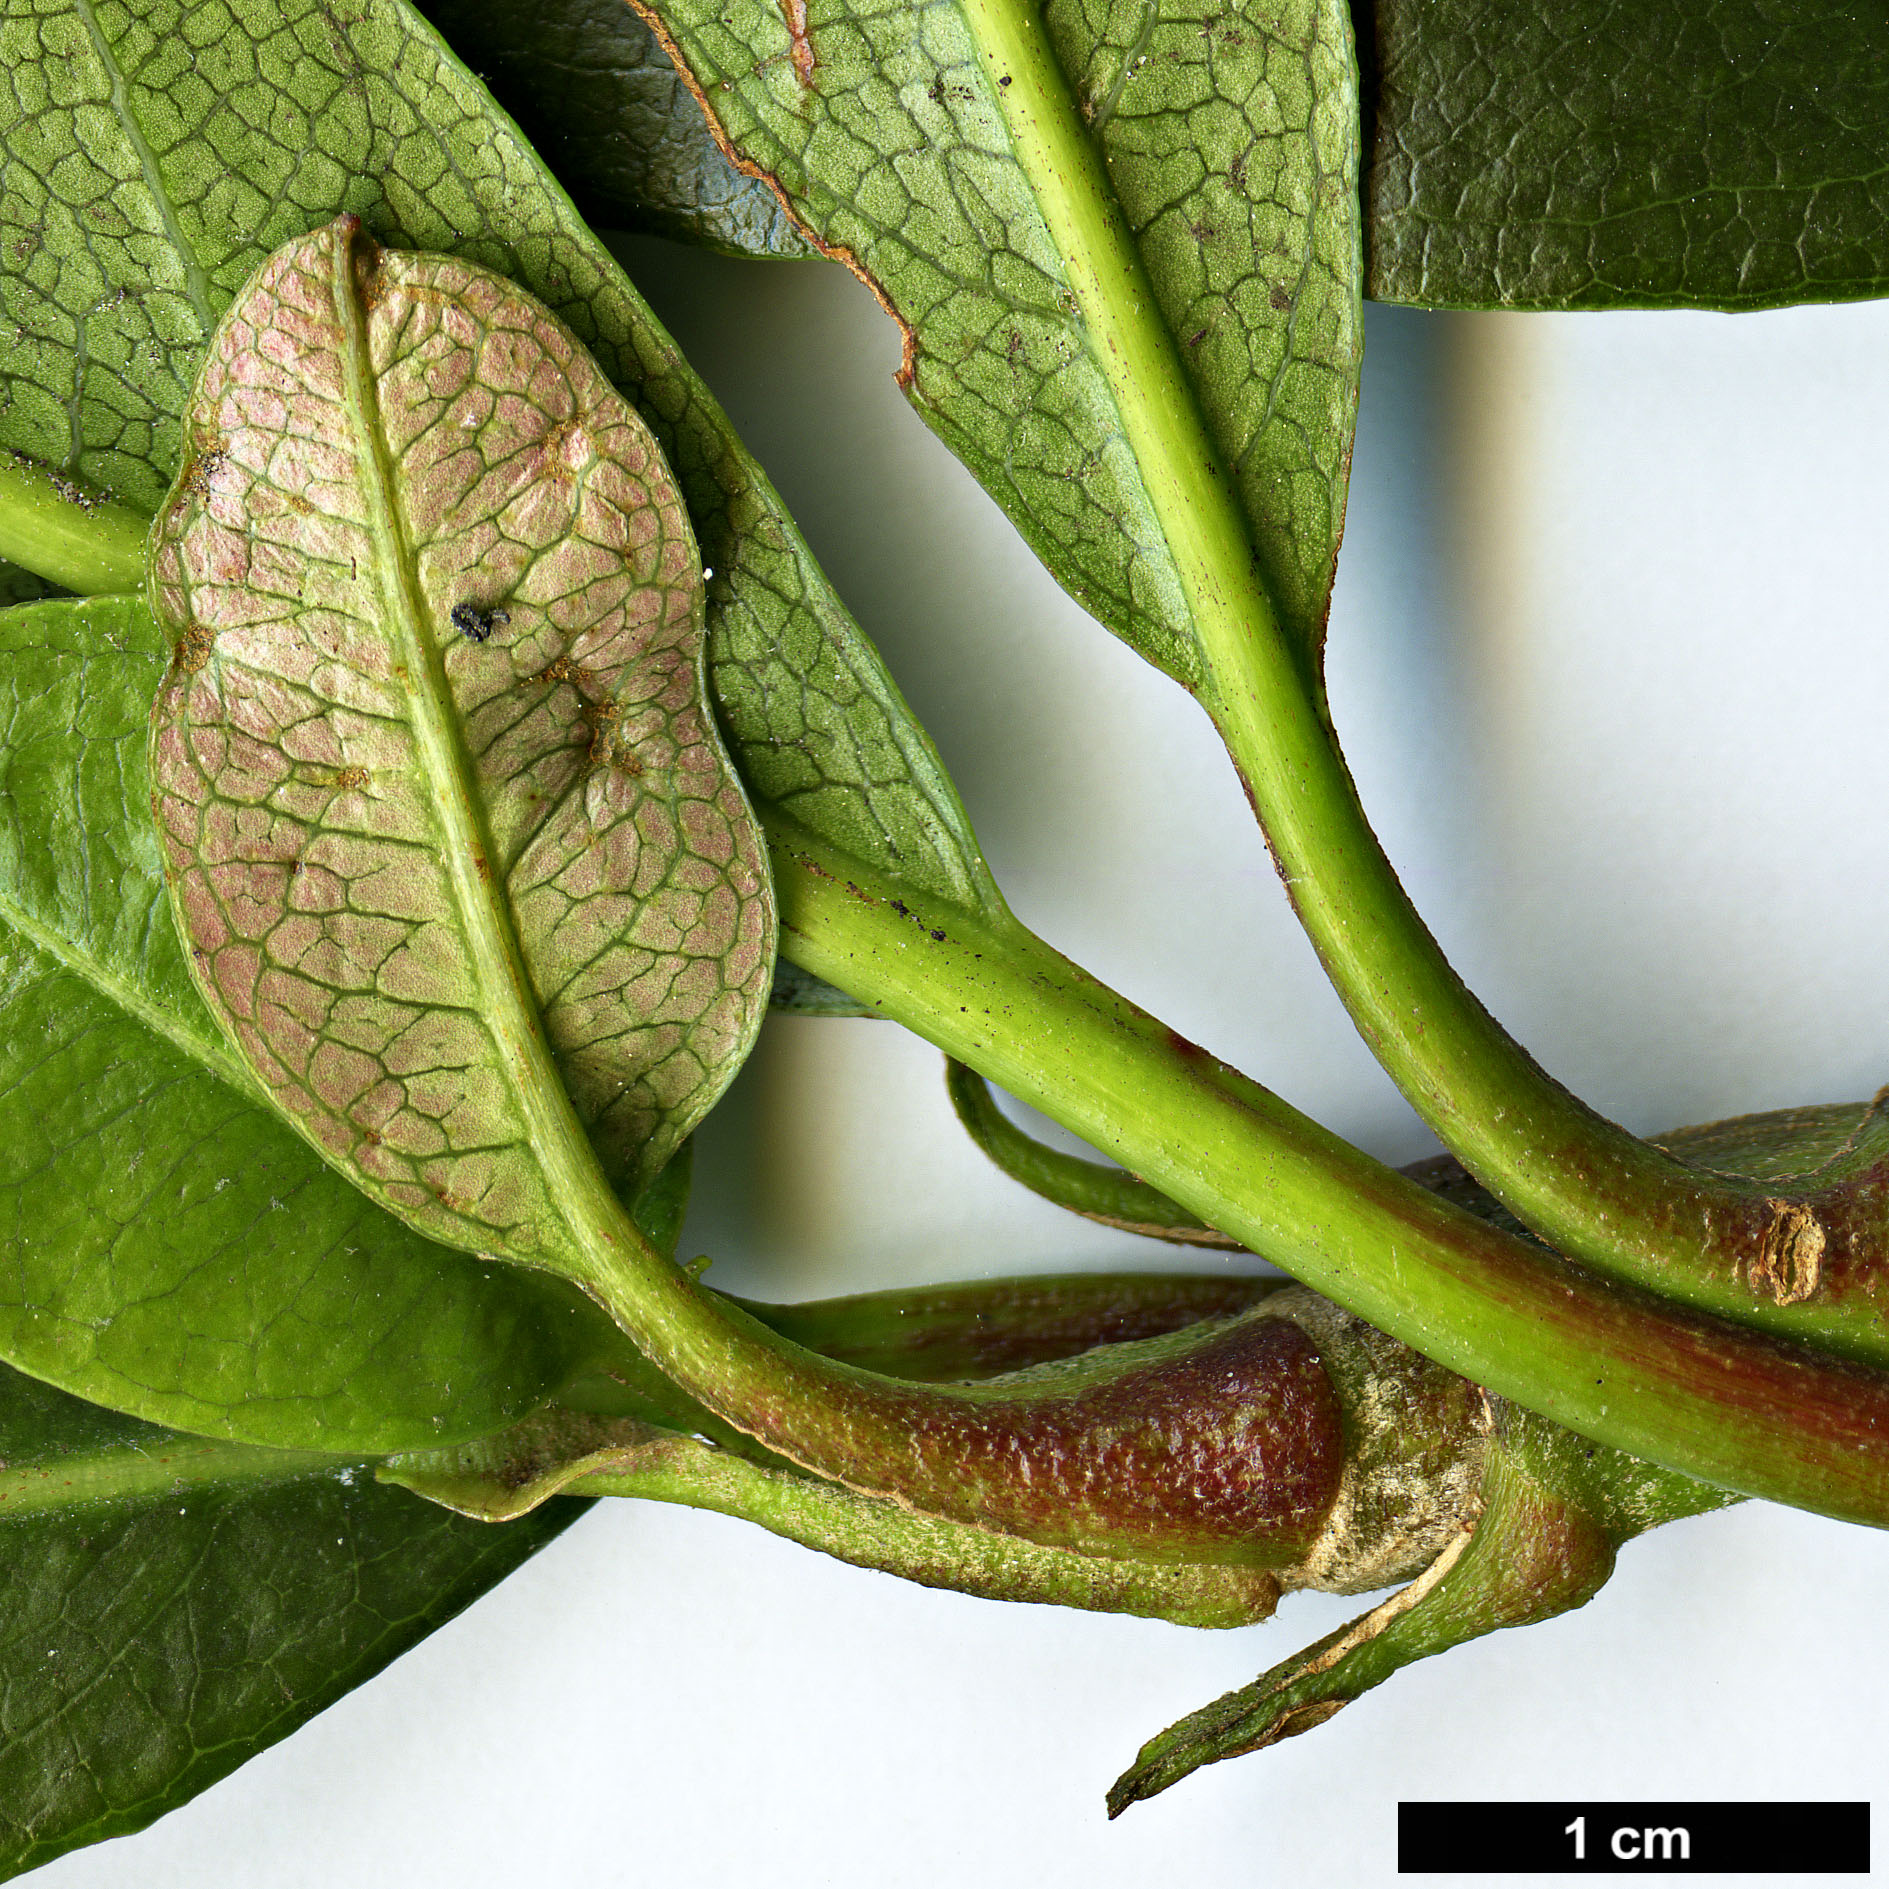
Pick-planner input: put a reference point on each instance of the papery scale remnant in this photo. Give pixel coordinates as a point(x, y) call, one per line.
point(380, 830)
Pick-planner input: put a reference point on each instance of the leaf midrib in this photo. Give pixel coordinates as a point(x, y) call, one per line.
point(129, 1473)
point(196, 281)
point(573, 1188)
point(1188, 488)
point(215, 1058)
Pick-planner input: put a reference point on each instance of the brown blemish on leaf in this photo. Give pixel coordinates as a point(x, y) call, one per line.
point(193, 649)
point(1789, 1263)
point(555, 457)
point(601, 717)
point(369, 283)
point(833, 252)
point(198, 477)
point(350, 777)
point(794, 12)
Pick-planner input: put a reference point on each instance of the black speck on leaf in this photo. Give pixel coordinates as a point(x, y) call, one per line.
point(476, 625)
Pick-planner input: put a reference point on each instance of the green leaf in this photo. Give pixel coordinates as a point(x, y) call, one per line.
point(169, 1607)
point(433, 763)
point(154, 158)
point(592, 88)
point(1585, 154)
point(801, 994)
point(65, 533)
point(23, 586)
point(1124, 249)
point(172, 1249)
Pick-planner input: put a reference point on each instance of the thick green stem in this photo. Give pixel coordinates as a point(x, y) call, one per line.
point(57, 529)
point(1806, 1267)
point(1728, 1406)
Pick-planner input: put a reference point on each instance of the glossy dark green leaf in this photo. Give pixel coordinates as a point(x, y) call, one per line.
point(169, 1607)
point(171, 1248)
point(154, 157)
point(593, 90)
point(1626, 153)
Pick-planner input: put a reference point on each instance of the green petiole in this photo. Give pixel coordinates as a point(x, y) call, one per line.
point(1803, 1263)
point(65, 532)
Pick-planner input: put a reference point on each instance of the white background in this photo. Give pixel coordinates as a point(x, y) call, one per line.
point(1607, 653)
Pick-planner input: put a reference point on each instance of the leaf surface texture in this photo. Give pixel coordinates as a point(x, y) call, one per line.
point(170, 1607)
point(171, 1247)
point(596, 94)
point(968, 188)
point(1627, 153)
point(154, 158)
point(433, 758)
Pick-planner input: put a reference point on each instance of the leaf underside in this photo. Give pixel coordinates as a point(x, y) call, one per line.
point(168, 1609)
point(438, 679)
point(151, 183)
point(1229, 139)
point(153, 159)
point(598, 97)
point(171, 1247)
point(1626, 153)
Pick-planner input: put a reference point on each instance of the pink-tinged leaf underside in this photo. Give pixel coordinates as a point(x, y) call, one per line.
point(404, 842)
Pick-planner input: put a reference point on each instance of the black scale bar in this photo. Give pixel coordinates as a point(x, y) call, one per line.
point(1633, 1839)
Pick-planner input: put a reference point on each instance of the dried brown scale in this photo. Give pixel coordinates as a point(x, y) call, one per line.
point(1416, 1439)
point(1814, 1240)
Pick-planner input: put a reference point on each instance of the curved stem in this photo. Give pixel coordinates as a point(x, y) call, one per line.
point(1806, 1266)
point(1801, 1263)
point(1109, 1195)
point(1726, 1405)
